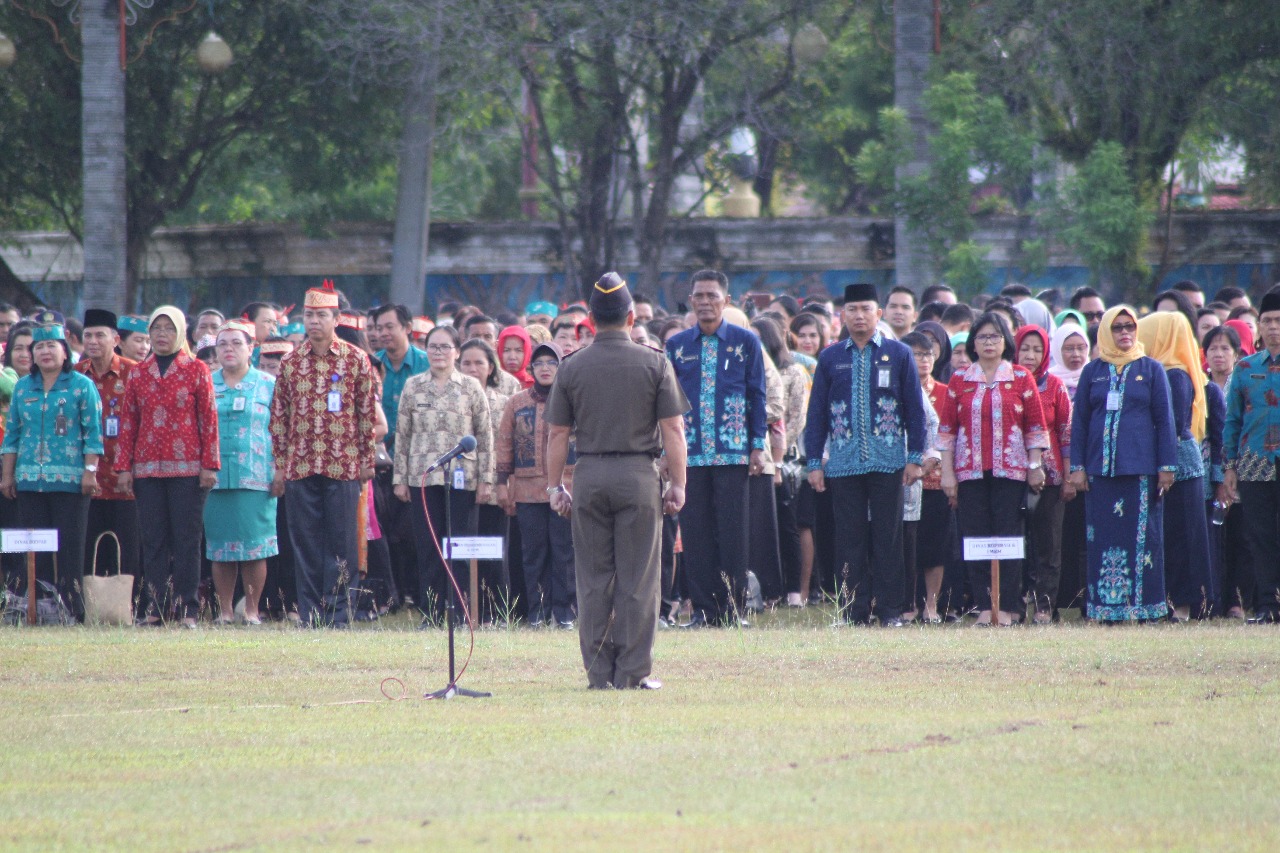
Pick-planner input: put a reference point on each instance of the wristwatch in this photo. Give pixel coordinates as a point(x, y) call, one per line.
point(1033, 466)
point(551, 490)
point(92, 469)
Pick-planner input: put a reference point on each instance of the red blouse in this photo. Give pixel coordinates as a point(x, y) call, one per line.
point(936, 392)
point(990, 426)
point(169, 425)
point(1056, 404)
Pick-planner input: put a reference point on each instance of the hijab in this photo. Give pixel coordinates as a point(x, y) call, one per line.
point(1034, 313)
point(1107, 350)
point(1167, 337)
point(1247, 344)
point(942, 364)
point(541, 392)
point(520, 334)
point(1070, 378)
point(1070, 312)
point(1022, 334)
point(179, 321)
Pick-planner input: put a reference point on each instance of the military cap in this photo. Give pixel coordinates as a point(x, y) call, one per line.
point(610, 294)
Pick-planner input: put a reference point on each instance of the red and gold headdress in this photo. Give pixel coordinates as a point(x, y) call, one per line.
point(322, 297)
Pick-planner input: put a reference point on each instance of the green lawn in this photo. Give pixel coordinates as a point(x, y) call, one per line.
point(790, 735)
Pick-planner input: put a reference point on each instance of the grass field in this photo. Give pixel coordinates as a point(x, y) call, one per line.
point(790, 735)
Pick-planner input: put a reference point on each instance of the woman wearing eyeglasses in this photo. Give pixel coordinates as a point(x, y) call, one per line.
point(1124, 455)
point(437, 409)
point(991, 433)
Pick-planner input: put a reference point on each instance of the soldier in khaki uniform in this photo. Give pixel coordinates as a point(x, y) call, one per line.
point(622, 401)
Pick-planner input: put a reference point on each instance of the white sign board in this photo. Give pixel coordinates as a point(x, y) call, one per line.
point(22, 541)
point(994, 548)
point(474, 547)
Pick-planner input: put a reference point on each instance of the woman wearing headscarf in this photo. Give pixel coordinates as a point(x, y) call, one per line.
point(1248, 345)
point(1069, 351)
point(515, 350)
point(1168, 338)
point(546, 538)
point(1036, 313)
point(941, 351)
point(1124, 456)
point(1032, 344)
point(168, 458)
point(1070, 315)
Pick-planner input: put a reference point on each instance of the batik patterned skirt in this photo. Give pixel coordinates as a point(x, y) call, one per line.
point(240, 525)
point(1125, 534)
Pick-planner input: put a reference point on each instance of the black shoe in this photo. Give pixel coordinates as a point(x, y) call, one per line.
point(892, 623)
point(1264, 617)
point(698, 620)
point(565, 624)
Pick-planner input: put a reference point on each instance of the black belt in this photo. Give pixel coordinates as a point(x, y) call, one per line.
point(646, 453)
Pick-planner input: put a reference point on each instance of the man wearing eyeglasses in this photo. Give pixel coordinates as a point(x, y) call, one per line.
point(1089, 302)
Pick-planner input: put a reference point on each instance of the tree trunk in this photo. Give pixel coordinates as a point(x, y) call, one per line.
point(103, 157)
point(912, 43)
point(413, 191)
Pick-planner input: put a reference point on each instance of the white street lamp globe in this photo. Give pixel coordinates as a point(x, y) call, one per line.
point(213, 55)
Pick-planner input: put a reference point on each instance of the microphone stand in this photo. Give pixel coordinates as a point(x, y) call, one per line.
point(451, 689)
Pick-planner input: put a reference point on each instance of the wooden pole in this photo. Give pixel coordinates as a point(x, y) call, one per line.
point(995, 593)
point(31, 587)
point(473, 608)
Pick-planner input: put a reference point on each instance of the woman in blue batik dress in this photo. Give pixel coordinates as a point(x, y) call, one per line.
point(1188, 568)
point(1123, 457)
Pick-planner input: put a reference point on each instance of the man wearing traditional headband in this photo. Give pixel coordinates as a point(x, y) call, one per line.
point(322, 433)
point(112, 508)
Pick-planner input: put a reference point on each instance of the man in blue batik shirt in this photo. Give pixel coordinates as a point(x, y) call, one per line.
point(721, 369)
point(866, 408)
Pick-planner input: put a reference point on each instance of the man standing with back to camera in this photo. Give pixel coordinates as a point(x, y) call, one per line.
point(623, 403)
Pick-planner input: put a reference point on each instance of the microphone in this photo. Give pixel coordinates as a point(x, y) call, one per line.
point(466, 445)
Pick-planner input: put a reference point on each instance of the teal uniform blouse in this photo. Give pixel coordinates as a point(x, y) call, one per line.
point(52, 431)
point(244, 436)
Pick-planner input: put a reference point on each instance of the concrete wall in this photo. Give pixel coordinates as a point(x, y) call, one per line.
point(508, 264)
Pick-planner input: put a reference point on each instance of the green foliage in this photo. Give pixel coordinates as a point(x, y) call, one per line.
point(1101, 216)
point(975, 144)
point(965, 268)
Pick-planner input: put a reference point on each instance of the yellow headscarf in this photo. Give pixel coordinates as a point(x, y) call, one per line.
point(1107, 350)
point(179, 321)
point(1168, 338)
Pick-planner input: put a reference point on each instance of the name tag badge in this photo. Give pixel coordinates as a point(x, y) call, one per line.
point(111, 428)
point(60, 425)
point(237, 405)
point(1113, 401)
point(335, 401)
point(883, 376)
point(459, 479)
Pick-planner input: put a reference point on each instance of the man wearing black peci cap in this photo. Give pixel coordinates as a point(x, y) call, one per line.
point(867, 410)
point(111, 509)
point(624, 404)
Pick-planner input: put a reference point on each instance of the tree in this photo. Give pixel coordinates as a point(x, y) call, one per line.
point(180, 122)
point(628, 97)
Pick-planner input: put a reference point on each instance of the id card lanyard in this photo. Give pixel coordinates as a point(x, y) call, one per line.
point(335, 396)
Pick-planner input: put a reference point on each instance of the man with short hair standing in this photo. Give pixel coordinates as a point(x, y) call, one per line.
point(111, 509)
point(721, 366)
point(624, 405)
point(322, 422)
point(900, 311)
point(867, 410)
point(1251, 449)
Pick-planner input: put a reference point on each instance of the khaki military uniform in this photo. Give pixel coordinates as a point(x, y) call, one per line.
point(613, 394)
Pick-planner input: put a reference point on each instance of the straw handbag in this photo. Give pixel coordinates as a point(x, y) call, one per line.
point(108, 599)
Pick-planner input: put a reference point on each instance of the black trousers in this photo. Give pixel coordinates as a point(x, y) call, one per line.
point(713, 527)
point(433, 582)
point(763, 555)
point(322, 526)
point(395, 517)
point(671, 583)
point(1046, 539)
point(788, 538)
point(280, 593)
point(868, 544)
point(493, 576)
point(66, 512)
point(911, 596)
point(1261, 503)
point(1075, 556)
point(992, 506)
point(170, 522)
point(549, 580)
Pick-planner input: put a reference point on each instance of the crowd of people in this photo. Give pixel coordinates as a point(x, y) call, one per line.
point(278, 467)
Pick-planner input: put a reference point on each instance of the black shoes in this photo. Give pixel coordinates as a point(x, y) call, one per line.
point(1264, 617)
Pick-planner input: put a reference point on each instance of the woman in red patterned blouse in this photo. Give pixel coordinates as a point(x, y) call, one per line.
point(168, 458)
point(991, 434)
